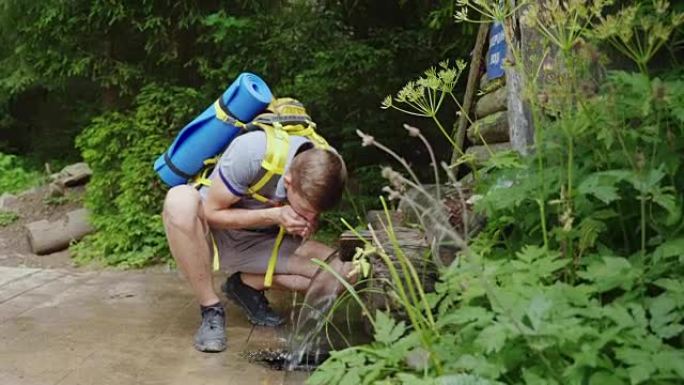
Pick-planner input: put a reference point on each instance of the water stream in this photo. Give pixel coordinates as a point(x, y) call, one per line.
point(308, 344)
point(306, 348)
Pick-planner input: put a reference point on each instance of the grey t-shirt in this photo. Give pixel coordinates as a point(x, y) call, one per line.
point(240, 167)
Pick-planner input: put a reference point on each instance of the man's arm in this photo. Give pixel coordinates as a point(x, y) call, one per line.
point(220, 214)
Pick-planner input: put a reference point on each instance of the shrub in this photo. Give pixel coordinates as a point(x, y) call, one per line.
point(577, 276)
point(7, 218)
point(125, 195)
point(15, 176)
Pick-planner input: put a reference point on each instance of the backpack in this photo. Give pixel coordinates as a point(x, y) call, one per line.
point(283, 117)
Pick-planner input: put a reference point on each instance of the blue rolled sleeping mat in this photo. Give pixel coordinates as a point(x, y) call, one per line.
point(207, 135)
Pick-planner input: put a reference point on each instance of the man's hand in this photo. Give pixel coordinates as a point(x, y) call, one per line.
point(293, 222)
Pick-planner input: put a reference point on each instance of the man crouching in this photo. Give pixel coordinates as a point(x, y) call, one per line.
point(244, 230)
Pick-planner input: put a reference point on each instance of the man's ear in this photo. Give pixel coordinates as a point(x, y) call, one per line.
point(287, 181)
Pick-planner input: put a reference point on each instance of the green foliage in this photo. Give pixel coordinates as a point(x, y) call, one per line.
point(575, 278)
point(125, 196)
point(71, 65)
point(85, 56)
point(15, 176)
point(596, 305)
point(7, 218)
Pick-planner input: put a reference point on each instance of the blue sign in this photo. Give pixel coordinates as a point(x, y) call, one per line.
point(497, 52)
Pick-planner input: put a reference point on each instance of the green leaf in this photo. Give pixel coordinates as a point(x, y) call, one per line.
point(493, 338)
point(387, 330)
point(537, 310)
point(532, 378)
point(676, 286)
point(610, 272)
point(666, 318)
point(640, 363)
point(671, 361)
point(479, 365)
point(603, 184)
point(531, 253)
point(669, 249)
point(465, 314)
point(605, 378)
point(352, 376)
point(465, 379)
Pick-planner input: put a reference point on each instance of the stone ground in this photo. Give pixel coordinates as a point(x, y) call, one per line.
point(69, 327)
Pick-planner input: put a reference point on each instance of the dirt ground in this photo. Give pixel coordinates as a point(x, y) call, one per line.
point(68, 325)
point(34, 205)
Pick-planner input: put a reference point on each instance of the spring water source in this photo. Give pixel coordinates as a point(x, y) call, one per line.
point(305, 345)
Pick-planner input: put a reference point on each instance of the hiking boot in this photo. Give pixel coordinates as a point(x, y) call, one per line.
point(252, 301)
point(211, 335)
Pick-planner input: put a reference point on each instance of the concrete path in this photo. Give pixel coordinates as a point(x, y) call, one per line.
point(61, 327)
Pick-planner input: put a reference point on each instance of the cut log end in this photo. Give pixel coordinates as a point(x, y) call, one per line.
point(46, 237)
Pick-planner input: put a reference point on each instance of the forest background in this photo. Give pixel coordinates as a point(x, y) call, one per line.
point(112, 82)
point(575, 276)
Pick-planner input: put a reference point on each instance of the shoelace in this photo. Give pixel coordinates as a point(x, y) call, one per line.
point(213, 318)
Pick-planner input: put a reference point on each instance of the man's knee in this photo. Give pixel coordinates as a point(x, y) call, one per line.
point(182, 207)
point(314, 249)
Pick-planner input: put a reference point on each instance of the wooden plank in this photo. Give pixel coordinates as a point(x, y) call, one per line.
point(471, 88)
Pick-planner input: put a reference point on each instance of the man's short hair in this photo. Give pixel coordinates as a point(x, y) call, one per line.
point(319, 176)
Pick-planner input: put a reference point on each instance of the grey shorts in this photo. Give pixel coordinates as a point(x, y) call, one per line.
point(249, 251)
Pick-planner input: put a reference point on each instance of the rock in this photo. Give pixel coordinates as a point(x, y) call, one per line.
point(491, 103)
point(8, 201)
point(55, 190)
point(491, 129)
point(73, 175)
point(482, 153)
point(77, 174)
point(46, 237)
point(487, 86)
point(31, 191)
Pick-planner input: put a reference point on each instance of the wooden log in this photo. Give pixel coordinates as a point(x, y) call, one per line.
point(491, 103)
point(490, 129)
point(47, 237)
point(482, 153)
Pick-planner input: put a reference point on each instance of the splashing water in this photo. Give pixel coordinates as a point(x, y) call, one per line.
point(305, 349)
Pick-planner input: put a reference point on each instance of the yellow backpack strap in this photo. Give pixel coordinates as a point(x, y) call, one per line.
point(287, 106)
point(202, 178)
point(223, 114)
point(216, 259)
point(273, 260)
point(275, 159)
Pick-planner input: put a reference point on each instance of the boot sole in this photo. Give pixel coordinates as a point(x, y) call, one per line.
point(252, 319)
point(205, 349)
